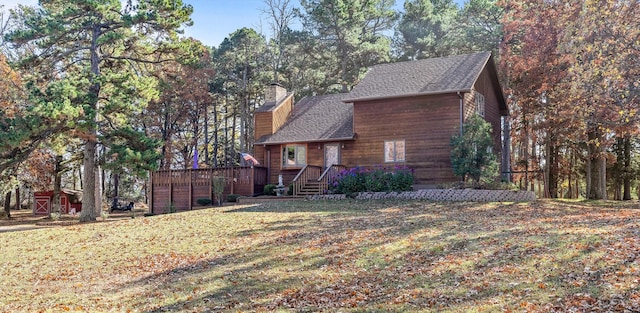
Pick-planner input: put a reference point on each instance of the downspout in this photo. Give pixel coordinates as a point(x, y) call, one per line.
point(461, 96)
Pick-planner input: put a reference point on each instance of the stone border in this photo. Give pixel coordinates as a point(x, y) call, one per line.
point(442, 195)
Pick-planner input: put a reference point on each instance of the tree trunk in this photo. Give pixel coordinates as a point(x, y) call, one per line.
point(57, 186)
point(206, 135)
point(587, 177)
point(7, 204)
point(18, 200)
point(116, 185)
point(232, 140)
point(215, 135)
point(602, 162)
point(91, 175)
point(89, 183)
point(552, 176)
point(598, 165)
point(98, 191)
point(627, 168)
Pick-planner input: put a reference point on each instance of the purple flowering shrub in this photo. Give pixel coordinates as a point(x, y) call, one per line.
point(380, 179)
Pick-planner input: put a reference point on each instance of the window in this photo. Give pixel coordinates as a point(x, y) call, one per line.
point(394, 151)
point(479, 103)
point(294, 156)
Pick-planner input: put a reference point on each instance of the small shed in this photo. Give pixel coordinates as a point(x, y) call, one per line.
point(70, 202)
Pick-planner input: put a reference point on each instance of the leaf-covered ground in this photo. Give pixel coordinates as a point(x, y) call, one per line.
point(334, 256)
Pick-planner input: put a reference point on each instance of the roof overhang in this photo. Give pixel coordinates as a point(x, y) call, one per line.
point(411, 95)
point(305, 141)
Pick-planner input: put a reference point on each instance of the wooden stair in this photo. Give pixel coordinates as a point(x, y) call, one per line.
point(310, 188)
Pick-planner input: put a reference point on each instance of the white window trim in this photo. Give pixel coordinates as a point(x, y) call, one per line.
point(480, 104)
point(284, 155)
point(395, 151)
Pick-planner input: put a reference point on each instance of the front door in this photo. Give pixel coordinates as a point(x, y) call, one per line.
point(331, 154)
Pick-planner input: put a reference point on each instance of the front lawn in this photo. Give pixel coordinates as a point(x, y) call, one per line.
point(348, 256)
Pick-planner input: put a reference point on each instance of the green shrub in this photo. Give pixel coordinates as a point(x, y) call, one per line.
point(269, 190)
point(232, 198)
point(204, 201)
point(472, 156)
point(381, 179)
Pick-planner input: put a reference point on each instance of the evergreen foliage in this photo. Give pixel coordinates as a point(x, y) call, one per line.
point(472, 154)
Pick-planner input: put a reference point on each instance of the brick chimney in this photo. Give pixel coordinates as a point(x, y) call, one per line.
point(274, 92)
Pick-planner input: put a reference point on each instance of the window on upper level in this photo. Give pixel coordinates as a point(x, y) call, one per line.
point(479, 99)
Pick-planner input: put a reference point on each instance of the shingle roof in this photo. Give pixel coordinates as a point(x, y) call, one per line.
point(319, 118)
point(428, 76)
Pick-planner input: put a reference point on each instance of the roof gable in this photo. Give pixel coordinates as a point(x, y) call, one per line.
point(319, 118)
point(421, 77)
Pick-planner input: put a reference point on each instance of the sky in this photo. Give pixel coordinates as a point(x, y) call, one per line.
point(213, 20)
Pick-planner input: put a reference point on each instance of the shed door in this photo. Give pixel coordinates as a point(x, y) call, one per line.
point(64, 208)
point(41, 205)
point(331, 154)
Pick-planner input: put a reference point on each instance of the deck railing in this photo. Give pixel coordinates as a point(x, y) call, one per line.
point(307, 173)
point(328, 176)
point(180, 189)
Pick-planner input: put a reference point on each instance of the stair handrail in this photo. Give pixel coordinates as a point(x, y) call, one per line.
point(308, 172)
point(329, 173)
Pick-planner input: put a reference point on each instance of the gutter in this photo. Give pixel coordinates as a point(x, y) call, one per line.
point(407, 95)
point(461, 96)
point(264, 144)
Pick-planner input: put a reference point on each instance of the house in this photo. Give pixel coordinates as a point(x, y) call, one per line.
point(401, 113)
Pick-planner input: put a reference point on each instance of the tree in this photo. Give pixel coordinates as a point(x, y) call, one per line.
point(571, 68)
point(238, 63)
point(426, 29)
point(478, 27)
point(603, 38)
point(352, 31)
point(535, 69)
point(472, 154)
point(281, 15)
point(89, 67)
point(181, 108)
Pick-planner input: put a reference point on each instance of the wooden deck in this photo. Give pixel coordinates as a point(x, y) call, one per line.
point(179, 190)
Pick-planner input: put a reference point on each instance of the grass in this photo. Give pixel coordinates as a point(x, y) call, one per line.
point(371, 256)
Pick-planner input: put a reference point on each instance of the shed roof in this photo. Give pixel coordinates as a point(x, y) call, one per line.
point(318, 118)
point(420, 77)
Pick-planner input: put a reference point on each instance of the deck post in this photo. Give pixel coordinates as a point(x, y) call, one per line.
point(150, 196)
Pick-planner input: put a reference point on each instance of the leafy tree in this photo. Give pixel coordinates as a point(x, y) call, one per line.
point(180, 109)
point(478, 27)
point(562, 55)
point(89, 65)
point(239, 62)
point(603, 40)
point(351, 31)
point(472, 154)
point(425, 29)
point(535, 68)
point(280, 14)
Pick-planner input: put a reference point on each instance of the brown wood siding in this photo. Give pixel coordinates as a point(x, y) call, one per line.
point(260, 153)
point(425, 123)
point(486, 86)
point(315, 156)
point(281, 113)
point(469, 105)
point(262, 124)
